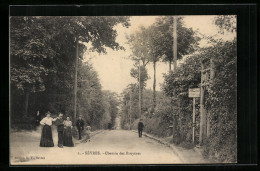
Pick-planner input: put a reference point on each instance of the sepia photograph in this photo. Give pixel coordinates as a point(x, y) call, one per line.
point(95, 90)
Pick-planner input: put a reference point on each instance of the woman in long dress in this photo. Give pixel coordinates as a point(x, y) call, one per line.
point(46, 137)
point(67, 134)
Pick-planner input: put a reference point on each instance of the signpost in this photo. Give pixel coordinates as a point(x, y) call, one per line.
point(194, 92)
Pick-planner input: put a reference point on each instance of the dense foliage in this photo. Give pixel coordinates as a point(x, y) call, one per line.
point(226, 23)
point(42, 55)
point(221, 103)
point(162, 39)
point(220, 99)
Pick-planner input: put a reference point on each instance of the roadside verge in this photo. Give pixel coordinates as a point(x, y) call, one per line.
point(189, 156)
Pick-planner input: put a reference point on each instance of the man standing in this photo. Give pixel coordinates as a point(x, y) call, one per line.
point(140, 128)
point(80, 126)
point(37, 118)
point(60, 129)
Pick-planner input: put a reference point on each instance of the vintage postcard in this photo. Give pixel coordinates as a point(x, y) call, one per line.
point(89, 90)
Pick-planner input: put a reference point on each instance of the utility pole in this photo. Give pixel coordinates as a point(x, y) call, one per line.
point(154, 87)
point(212, 76)
point(75, 84)
point(140, 107)
point(130, 109)
point(203, 118)
point(174, 66)
point(174, 43)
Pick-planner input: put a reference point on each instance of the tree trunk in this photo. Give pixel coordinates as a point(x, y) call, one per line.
point(154, 86)
point(26, 104)
point(208, 125)
point(170, 65)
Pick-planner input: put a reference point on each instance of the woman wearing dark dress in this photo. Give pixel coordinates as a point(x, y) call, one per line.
point(67, 134)
point(46, 137)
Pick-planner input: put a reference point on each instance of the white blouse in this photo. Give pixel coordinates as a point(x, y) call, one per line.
point(67, 123)
point(47, 121)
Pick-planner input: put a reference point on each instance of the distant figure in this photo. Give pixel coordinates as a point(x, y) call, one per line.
point(46, 137)
point(140, 128)
point(60, 128)
point(67, 135)
point(88, 133)
point(109, 126)
point(80, 126)
point(37, 118)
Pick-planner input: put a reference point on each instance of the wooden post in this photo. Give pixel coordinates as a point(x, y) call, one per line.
point(75, 85)
point(140, 107)
point(193, 121)
point(212, 76)
point(130, 109)
point(202, 111)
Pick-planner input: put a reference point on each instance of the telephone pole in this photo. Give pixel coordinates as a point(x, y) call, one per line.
point(174, 43)
point(75, 84)
point(140, 107)
point(130, 117)
point(203, 120)
point(174, 65)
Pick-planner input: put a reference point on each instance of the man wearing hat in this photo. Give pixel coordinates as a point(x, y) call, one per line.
point(140, 128)
point(60, 129)
point(80, 126)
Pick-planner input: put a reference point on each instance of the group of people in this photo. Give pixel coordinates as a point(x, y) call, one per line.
point(64, 129)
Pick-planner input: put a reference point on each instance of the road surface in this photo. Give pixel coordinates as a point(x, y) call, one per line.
point(106, 147)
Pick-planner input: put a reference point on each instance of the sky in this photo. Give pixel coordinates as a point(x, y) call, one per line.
point(114, 67)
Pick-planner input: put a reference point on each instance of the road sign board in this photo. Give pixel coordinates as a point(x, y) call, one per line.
point(194, 92)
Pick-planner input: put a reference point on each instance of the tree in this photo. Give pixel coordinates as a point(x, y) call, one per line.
point(186, 38)
point(140, 45)
point(112, 101)
point(143, 78)
point(160, 43)
point(129, 105)
point(29, 49)
point(154, 46)
point(42, 51)
point(226, 23)
point(89, 95)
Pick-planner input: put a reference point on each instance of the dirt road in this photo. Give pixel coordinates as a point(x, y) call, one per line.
point(107, 147)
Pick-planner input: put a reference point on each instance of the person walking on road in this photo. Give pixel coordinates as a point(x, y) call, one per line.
point(80, 126)
point(60, 129)
point(140, 128)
